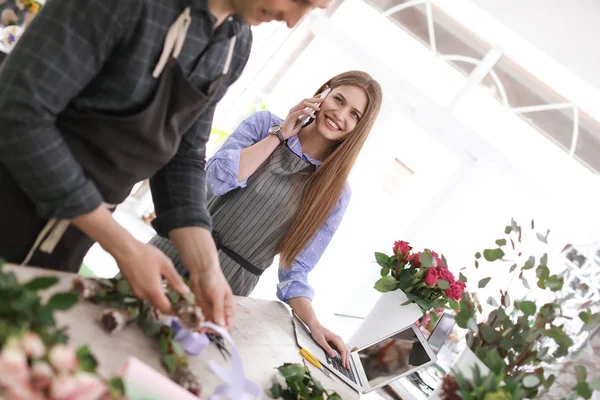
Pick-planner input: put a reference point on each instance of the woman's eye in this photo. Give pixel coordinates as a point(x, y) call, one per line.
point(354, 115)
point(339, 100)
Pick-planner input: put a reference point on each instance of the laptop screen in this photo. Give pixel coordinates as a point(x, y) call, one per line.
point(392, 357)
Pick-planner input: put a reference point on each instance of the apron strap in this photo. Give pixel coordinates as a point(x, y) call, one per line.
point(51, 234)
point(174, 41)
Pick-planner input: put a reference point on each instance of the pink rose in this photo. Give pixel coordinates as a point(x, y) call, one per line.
point(455, 290)
point(401, 248)
point(13, 368)
point(63, 387)
point(23, 393)
point(63, 358)
point(414, 260)
point(432, 277)
point(33, 345)
point(88, 387)
point(41, 375)
point(445, 275)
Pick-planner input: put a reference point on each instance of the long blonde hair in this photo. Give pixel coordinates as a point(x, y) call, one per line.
point(324, 186)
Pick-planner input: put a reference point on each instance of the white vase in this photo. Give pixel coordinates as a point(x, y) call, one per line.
point(464, 364)
point(386, 317)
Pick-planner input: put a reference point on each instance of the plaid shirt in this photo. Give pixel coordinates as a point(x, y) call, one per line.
point(98, 55)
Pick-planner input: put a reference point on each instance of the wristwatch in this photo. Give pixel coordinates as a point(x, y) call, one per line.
point(276, 130)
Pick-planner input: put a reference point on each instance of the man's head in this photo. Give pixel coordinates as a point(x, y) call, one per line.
point(256, 12)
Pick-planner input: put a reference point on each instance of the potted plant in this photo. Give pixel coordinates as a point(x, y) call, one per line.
point(413, 284)
point(523, 340)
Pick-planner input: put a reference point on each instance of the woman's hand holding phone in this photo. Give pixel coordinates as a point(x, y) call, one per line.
point(306, 108)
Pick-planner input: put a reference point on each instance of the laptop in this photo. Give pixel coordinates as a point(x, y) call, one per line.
point(375, 365)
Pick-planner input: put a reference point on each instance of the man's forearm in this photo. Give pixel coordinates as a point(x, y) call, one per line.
point(101, 227)
point(196, 248)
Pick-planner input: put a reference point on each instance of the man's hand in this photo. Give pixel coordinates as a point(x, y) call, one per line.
point(199, 256)
point(324, 336)
point(214, 296)
point(144, 268)
point(142, 265)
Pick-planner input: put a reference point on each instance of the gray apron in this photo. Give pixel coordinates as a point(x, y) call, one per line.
point(249, 222)
point(115, 151)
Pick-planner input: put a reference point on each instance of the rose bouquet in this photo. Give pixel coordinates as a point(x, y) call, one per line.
point(36, 361)
point(423, 276)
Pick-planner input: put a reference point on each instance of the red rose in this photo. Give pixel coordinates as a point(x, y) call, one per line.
point(401, 247)
point(432, 277)
point(438, 259)
point(455, 290)
point(445, 275)
point(414, 260)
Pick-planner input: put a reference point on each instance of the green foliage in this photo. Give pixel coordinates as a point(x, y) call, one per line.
point(295, 382)
point(516, 341)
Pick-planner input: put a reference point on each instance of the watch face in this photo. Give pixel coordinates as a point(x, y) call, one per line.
point(274, 129)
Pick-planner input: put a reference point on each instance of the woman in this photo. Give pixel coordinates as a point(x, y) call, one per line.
point(279, 188)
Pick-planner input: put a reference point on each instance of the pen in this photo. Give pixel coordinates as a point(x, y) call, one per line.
point(313, 360)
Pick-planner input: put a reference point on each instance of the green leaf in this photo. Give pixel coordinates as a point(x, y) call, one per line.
point(493, 254)
point(583, 389)
point(580, 373)
point(483, 283)
point(432, 317)
point(442, 284)
point(507, 230)
point(462, 278)
point(478, 255)
point(386, 284)
point(62, 301)
point(385, 271)
point(585, 316)
point(489, 334)
point(426, 259)
point(550, 381)
point(462, 317)
point(542, 238)
point(472, 325)
point(501, 242)
point(513, 267)
point(87, 361)
point(528, 307)
point(169, 363)
point(382, 259)
point(595, 384)
point(544, 259)
point(542, 272)
point(555, 283)
point(530, 263)
point(405, 278)
point(492, 302)
point(495, 362)
point(117, 385)
point(506, 300)
point(444, 261)
point(531, 381)
point(453, 304)
point(41, 283)
point(525, 283)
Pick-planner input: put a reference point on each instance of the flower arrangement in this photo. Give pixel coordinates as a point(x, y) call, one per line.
point(36, 361)
point(423, 276)
point(294, 381)
point(124, 308)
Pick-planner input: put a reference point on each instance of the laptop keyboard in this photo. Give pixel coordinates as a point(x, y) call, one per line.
point(337, 364)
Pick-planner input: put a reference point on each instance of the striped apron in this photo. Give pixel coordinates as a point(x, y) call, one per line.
point(249, 222)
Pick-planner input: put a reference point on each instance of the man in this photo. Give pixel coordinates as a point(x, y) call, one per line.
point(99, 94)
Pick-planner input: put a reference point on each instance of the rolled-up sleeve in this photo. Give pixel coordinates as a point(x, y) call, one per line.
point(293, 282)
point(61, 51)
point(223, 167)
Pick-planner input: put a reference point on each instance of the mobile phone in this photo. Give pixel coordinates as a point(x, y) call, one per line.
point(304, 120)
